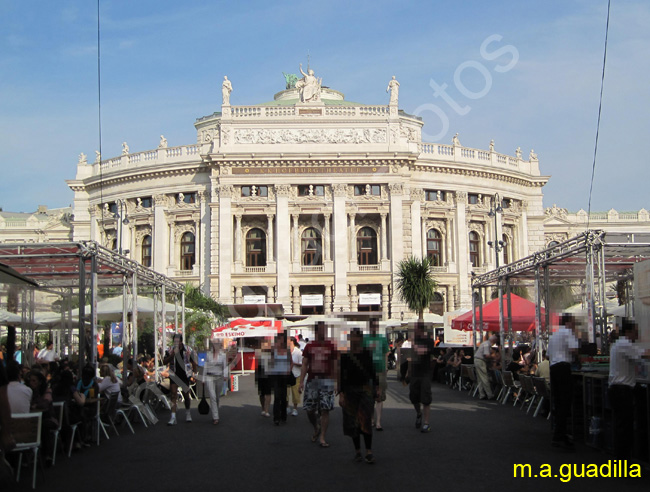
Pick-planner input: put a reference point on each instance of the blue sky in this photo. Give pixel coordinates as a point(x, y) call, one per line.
point(162, 64)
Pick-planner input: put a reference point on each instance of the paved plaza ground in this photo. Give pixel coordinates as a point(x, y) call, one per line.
point(473, 446)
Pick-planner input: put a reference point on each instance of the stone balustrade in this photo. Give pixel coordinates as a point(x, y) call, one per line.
point(279, 112)
point(168, 155)
point(466, 155)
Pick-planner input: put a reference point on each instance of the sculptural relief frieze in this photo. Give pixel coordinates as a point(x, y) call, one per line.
point(309, 136)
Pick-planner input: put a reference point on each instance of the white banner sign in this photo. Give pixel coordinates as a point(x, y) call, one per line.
point(255, 299)
point(365, 299)
point(311, 299)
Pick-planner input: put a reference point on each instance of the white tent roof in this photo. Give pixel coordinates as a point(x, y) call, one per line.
point(111, 308)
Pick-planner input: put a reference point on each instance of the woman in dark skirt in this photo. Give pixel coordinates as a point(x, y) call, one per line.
point(358, 386)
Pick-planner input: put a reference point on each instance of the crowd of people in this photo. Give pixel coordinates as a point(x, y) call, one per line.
point(292, 373)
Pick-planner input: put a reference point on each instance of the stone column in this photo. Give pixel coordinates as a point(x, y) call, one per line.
point(283, 253)
point(353, 240)
point(225, 243)
point(171, 267)
point(340, 238)
point(523, 227)
point(204, 228)
point(270, 250)
point(92, 213)
point(326, 238)
point(296, 242)
point(327, 300)
point(424, 231)
point(462, 242)
point(384, 301)
point(384, 237)
point(354, 300)
point(396, 239)
point(417, 197)
point(296, 299)
point(160, 228)
point(238, 218)
point(238, 295)
point(448, 243)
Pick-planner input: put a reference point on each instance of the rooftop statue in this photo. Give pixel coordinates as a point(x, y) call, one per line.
point(393, 87)
point(83, 158)
point(290, 79)
point(226, 89)
point(309, 86)
point(125, 148)
point(163, 142)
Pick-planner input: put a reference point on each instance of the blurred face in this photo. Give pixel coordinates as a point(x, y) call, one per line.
point(355, 340)
point(321, 331)
point(374, 327)
point(33, 382)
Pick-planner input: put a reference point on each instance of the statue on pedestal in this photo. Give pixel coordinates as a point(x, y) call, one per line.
point(125, 148)
point(163, 142)
point(83, 159)
point(393, 87)
point(226, 89)
point(309, 86)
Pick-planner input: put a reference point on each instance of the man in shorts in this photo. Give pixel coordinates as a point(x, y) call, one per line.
point(419, 376)
point(319, 369)
point(378, 345)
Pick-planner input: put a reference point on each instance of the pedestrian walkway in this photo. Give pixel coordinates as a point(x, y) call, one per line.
point(473, 446)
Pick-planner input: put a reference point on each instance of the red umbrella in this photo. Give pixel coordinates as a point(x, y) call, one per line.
point(523, 316)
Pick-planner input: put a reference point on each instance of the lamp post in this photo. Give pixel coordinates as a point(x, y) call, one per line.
point(498, 245)
point(122, 219)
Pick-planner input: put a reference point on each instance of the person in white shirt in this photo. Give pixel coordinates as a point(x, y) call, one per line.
point(215, 372)
point(19, 394)
point(296, 367)
point(48, 354)
point(561, 347)
point(481, 359)
point(623, 357)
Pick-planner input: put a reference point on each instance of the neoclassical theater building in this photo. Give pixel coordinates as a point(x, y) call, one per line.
point(311, 201)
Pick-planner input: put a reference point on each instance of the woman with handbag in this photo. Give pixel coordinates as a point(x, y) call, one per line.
point(294, 377)
point(215, 370)
point(358, 387)
point(279, 370)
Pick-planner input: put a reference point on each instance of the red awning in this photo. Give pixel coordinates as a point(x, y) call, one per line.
point(248, 328)
point(523, 316)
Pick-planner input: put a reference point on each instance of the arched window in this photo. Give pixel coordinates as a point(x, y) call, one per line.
point(552, 243)
point(367, 246)
point(146, 251)
point(256, 248)
point(311, 247)
point(188, 257)
point(506, 254)
point(434, 247)
point(474, 243)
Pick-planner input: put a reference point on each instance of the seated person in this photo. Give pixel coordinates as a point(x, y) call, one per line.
point(108, 382)
point(19, 394)
point(42, 402)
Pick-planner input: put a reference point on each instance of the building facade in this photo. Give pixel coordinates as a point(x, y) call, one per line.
point(312, 201)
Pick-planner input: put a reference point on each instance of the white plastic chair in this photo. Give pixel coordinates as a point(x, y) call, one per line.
point(58, 411)
point(26, 429)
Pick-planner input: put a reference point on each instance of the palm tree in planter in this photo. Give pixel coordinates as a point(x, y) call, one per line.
point(415, 283)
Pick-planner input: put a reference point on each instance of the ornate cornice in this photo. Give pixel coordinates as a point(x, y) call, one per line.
point(144, 174)
point(532, 182)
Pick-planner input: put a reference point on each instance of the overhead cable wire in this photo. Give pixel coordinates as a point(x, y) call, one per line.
point(600, 106)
